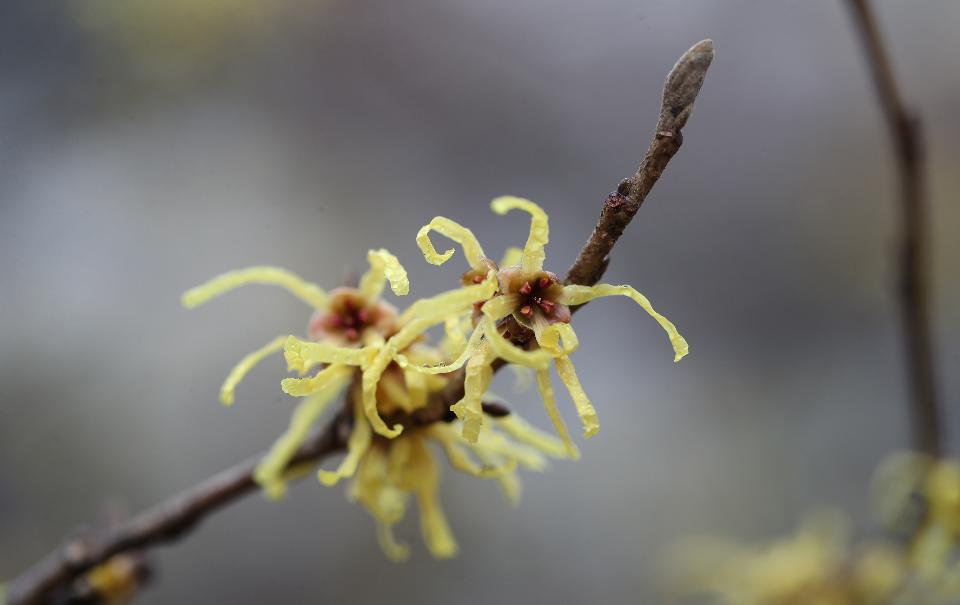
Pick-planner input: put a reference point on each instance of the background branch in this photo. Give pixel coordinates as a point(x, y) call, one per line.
point(177, 515)
point(905, 131)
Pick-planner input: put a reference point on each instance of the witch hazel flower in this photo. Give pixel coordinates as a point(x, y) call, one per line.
point(354, 337)
point(536, 299)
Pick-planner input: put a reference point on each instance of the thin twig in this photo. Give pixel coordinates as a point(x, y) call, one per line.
point(165, 522)
point(906, 134)
point(175, 516)
point(679, 92)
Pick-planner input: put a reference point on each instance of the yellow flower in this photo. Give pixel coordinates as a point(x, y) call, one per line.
point(389, 471)
point(358, 337)
point(353, 322)
point(537, 300)
point(919, 495)
point(814, 566)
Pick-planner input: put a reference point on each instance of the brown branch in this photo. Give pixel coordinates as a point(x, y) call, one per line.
point(165, 522)
point(679, 92)
point(905, 131)
point(175, 516)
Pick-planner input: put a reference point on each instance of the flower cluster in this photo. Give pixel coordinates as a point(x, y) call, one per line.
point(918, 502)
point(515, 312)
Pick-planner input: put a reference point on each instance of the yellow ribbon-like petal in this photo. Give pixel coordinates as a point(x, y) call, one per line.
point(301, 355)
point(585, 409)
point(272, 276)
point(558, 339)
point(452, 303)
point(459, 458)
point(524, 432)
point(357, 446)
point(244, 366)
point(383, 266)
point(534, 251)
point(455, 231)
point(433, 523)
point(468, 351)
point(475, 383)
point(505, 349)
point(550, 405)
point(270, 472)
point(499, 307)
point(577, 295)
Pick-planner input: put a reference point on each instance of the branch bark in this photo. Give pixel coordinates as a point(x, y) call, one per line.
point(679, 93)
point(906, 134)
point(174, 517)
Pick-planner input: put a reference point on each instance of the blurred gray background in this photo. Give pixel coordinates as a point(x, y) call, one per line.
point(147, 146)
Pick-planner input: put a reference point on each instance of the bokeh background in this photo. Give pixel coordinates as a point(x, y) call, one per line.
point(148, 145)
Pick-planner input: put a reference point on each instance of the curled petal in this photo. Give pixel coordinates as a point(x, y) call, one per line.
point(369, 381)
point(558, 339)
point(585, 409)
point(273, 276)
point(577, 295)
point(270, 472)
point(534, 251)
point(475, 383)
point(383, 266)
point(245, 365)
point(550, 404)
point(302, 355)
point(357, 446)
point(455, 231)
point(506, 350)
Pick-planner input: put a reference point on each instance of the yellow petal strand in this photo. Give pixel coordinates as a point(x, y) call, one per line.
point(471, 349)
point(444, 435)
point(453, 302)
point(558, 338)
point(524, 432)
point(357, 446)
point(588, 415)
point(492, 442)
point(499, 307)
point(534, 250)
point(245, 365)
point(433, 523)
point(301, 355)
point(383, 266)
point(550, 404)
point(270, 472)
point(577, 295)
point(371, 377)
point(394, 550)
point(302, 387)
point(455, 338)
point(273, 276)
point(455, 231)
point(416, 386)
point(505, 349)
point(511, 257)
point(475, 383)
